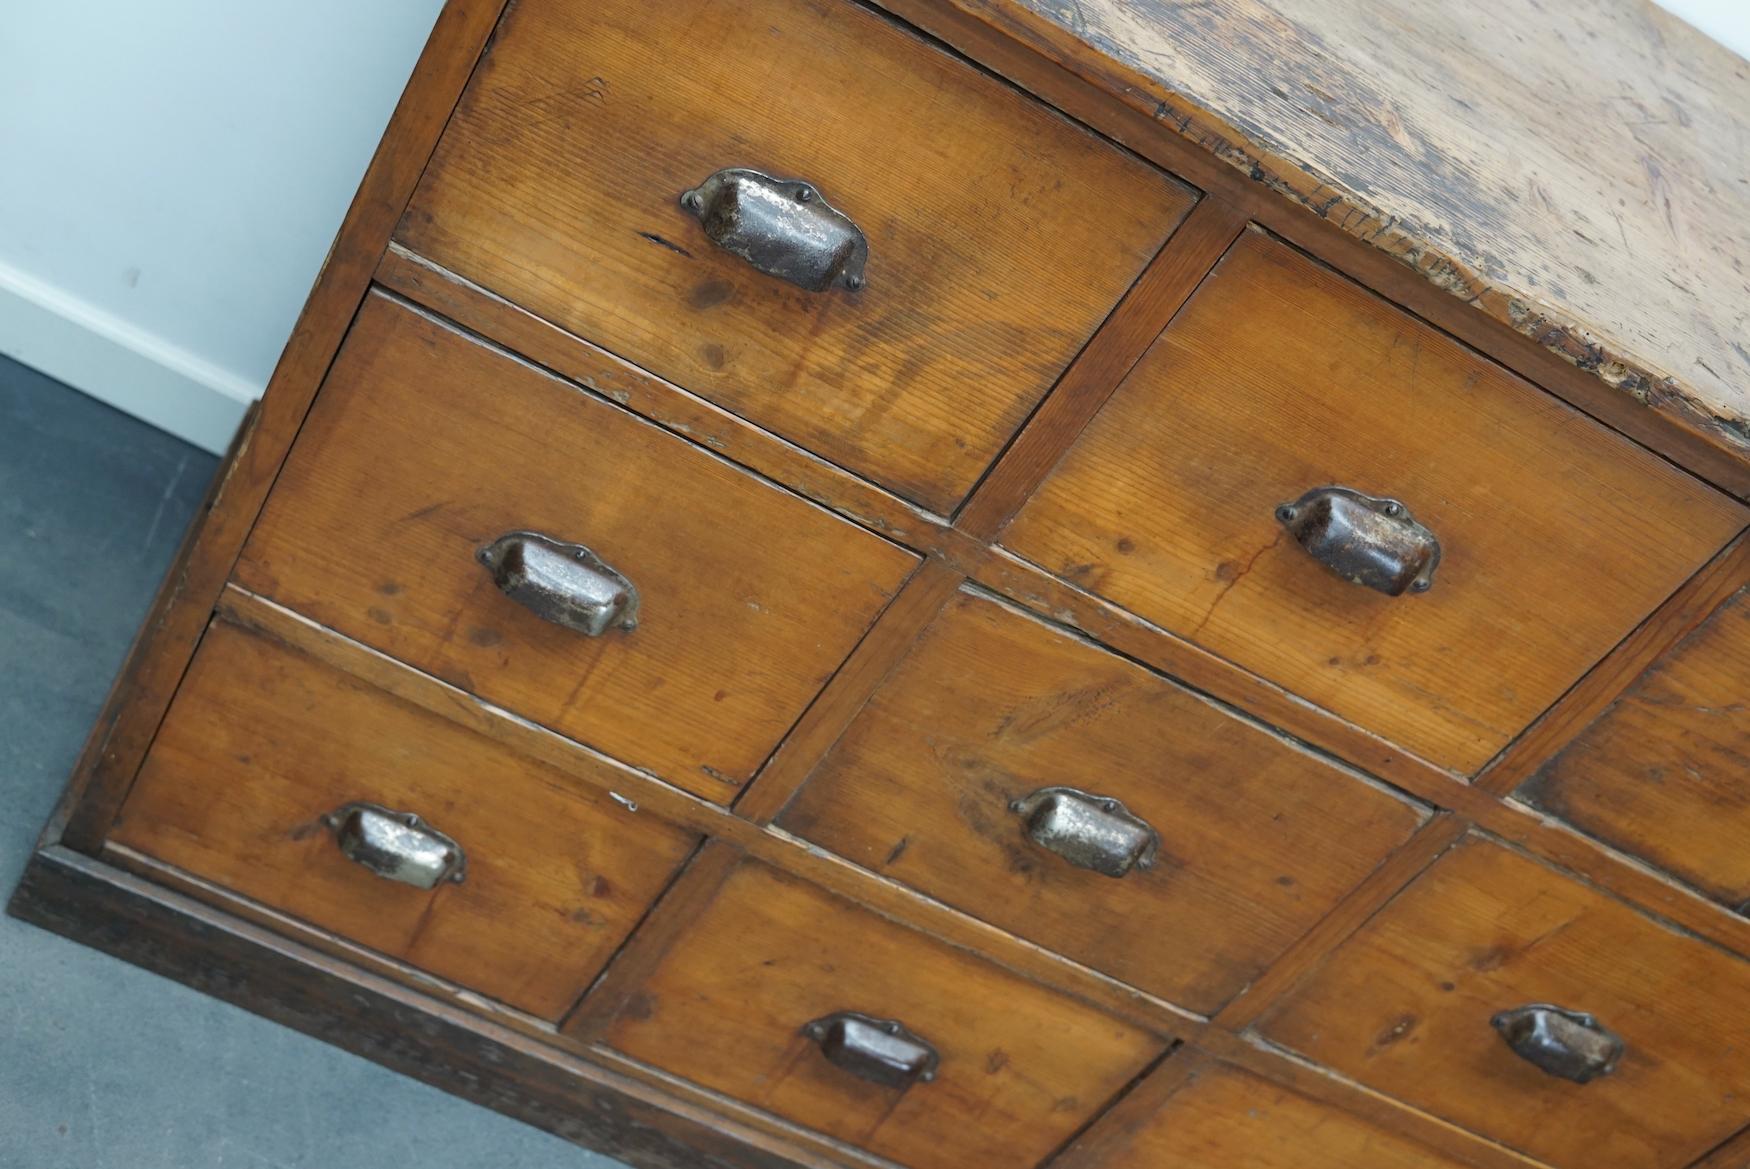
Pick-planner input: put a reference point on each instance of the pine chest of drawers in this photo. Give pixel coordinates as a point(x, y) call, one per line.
point(957, 585)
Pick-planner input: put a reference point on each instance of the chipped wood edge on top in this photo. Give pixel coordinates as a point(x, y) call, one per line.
point(1398, 238)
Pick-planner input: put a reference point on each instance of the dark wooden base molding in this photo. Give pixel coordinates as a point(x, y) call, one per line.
point(167, 933)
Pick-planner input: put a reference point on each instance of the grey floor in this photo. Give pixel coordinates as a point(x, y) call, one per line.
point(102, 1064)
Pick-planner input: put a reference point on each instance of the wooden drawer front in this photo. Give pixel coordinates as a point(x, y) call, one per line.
point(1225, 1118)
point(1665, 772)
point(1406, 1007)
point(1258, 838)
point(1021, 1068)
point(425, 447)
point(262, 742)
point(1280, 376)
point(999, 235)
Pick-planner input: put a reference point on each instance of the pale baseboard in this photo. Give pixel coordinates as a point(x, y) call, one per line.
point(131, 369)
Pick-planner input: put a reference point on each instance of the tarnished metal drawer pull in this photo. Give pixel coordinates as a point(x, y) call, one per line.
point(396, 845)
point(1089, 831)
point(1372, 542)
point(782, 227)
point(881, 1051)
point(566, 584)
point(1569, 1044)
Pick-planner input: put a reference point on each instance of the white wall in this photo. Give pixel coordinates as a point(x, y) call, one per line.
point(1726, 21)
point(172, 172)
point(171, 175)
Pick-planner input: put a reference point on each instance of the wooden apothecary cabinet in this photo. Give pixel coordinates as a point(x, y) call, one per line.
point(949, 584)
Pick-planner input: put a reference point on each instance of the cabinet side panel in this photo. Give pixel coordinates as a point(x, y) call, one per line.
point(155, 664)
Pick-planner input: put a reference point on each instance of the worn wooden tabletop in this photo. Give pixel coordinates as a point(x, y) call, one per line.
point(1579, 169)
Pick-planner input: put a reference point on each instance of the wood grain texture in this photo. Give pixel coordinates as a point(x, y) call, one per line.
point(1260, 838)
point(1030, 587)
point(845, 695)
point(675, 1092)
point(379, 963)
point(1000, 235)
point(1665, 772)
point(673, 805)
point(1033, 588)
point(1306, 1092)
point(160, 653)
point(1731, 1154)
point(1310, 950)
point(261, 742)
point(1576, 181)
point(1021, 1069)
point(1280, 376)
point(1682, 612)
point(1223, 1117)
point(1404, 1008)
point(1324, 1087)
point(426, 446)
point(1164, 286)
point(670, 919)
point(1045, 59)
point(1533, 831)
point(1104, 1141)
point(666, 404)
point(1613, 871)
point(586, 1102)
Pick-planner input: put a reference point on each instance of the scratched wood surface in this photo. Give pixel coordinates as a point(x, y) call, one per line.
point(424, 447)
point(1665, 772)
point(1280, 375)
point(1224, 1117)
point(1404, 1007)
point(1000, 235)
point(1021, 1068)
point(1259, 838)
point(1576, 171)
point(262, 741)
